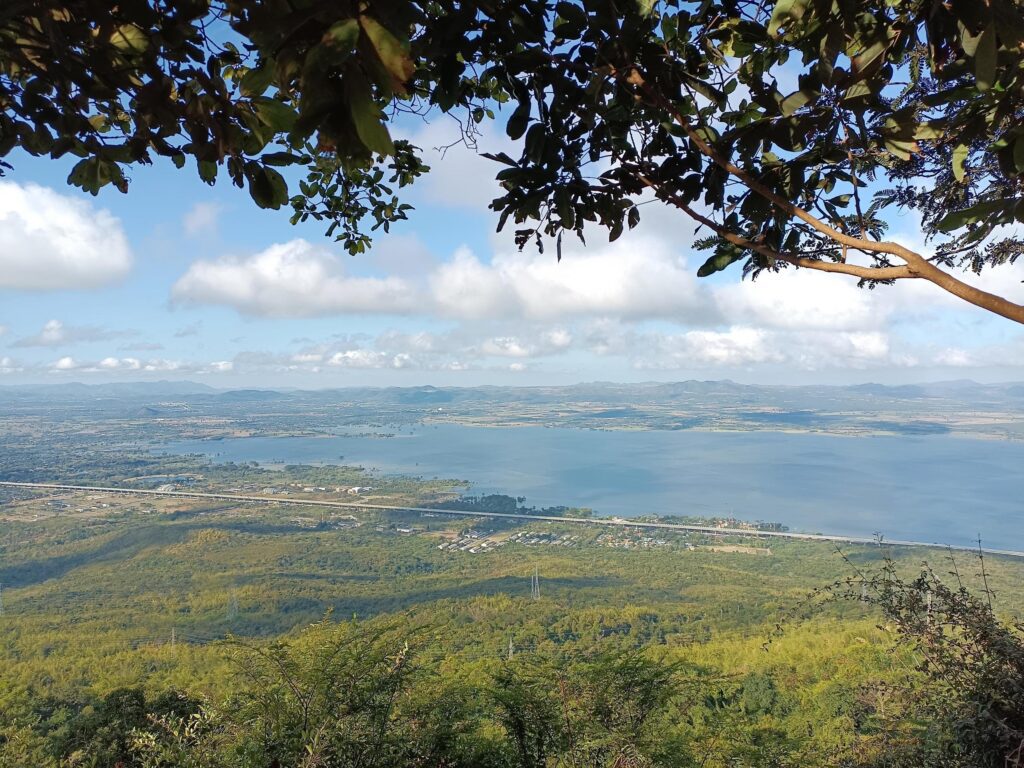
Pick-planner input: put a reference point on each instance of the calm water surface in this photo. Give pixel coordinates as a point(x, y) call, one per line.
point(935, 488)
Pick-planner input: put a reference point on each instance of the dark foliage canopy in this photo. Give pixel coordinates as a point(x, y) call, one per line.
point(792, 131)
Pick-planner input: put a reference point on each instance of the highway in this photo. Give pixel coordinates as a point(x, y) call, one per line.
point(619, 523)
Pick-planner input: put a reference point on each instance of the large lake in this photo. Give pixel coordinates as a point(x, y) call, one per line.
point(936, 488)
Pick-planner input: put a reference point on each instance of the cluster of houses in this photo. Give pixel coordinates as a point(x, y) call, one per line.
point(531, 538)
point(471, 541)
point(635, 540)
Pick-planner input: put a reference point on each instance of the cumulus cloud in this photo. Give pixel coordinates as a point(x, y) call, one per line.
point(134, 365)
point(1007, 354)
point(703, 349)
point(801, 299)
point(201, 219)
point(634, 279)
point(743, 346)
point(293, 279)
point(56, 334)
point(124, 363)
point(459, 176)
point(51, 242)
point(637, 300)
point(643, 276)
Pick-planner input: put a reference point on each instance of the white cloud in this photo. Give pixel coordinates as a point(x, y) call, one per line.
point(133, 365)
point(459, 176)
point(55, 242)
point(365, 358)
point(7, 365)
point(801, 299)
point(955, 358)
point(293, 279)
point(54, 333)
point(201, 218)
point(631, 279)
point(701, 349)
point(124, 363)
point(637, 303)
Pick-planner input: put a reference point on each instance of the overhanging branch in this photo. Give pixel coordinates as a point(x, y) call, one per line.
point(916, 265)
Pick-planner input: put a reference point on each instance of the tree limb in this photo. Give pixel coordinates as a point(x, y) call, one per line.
point(916, 264)
point(864, 273)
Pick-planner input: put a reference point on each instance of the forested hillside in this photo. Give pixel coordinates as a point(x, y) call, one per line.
point(201, 636)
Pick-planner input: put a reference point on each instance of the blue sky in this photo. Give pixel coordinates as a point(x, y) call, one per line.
point(179, 280)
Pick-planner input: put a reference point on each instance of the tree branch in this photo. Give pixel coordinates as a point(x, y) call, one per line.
point(864, 273)
point(916, 264)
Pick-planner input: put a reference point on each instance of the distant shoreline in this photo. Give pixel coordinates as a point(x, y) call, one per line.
point(599, 521)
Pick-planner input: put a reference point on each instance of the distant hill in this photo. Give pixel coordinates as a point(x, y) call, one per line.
point(240, 395)
point(129, 389)
point(601, 394)
point(882, 390)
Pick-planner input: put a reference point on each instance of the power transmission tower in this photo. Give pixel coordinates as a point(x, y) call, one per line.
point(511, 649)
point(173, 638)
point(1, 599)
point(535, 585)
point(233, 606)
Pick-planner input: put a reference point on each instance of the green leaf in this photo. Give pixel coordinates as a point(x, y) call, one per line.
point(795, 100)
point(276, 115)
point(706, 90)
point(207, 170)
point(256, 81)
point(858, 90)
point(344, 35)
point(535, 142)
point(393, 53)
point(646, 7)
point(725, 254)
point(1018, 153)
point(901, 149)
point(959, 161)
point(92, 173)
point(128, 38)
point(985, 58)
point(970, 42)
point(279, 158)
point(975, 213)
point(928, 131)
point(784, 12)
point(518, 121)
point(572, 13)
point(268, 188)
point(367, 116)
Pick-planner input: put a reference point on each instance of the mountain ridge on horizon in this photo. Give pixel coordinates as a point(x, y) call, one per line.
point(184, 387)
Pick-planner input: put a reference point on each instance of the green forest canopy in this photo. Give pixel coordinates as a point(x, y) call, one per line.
point(899, 104)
